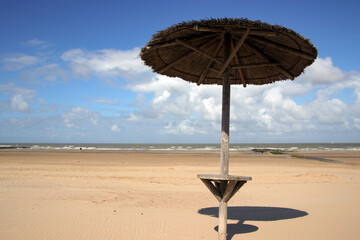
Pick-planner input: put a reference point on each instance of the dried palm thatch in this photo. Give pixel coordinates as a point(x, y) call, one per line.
point(260, 53)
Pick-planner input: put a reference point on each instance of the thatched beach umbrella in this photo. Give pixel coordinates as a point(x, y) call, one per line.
point(224, 52)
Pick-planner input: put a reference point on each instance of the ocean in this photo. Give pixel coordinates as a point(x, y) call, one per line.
point(243, 147)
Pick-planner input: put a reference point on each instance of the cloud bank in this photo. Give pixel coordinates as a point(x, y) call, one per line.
point(268, 112)
point(322, 105)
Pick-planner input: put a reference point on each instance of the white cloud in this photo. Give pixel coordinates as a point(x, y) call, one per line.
point(12, 89)
point(49, 73)
point(19, 61)
point(328, 110)
point(323, 71)
point(105, 62)
point(177, 97)
point(162, 98)
point(357, 123)
point(185, 127)
point(104, 101)
point(115, 128)
point(20, 98)
point(133, 118)
point(79, 116)
point(283, 107)
point(19, 104)
point(37, 43)
point(211, 109)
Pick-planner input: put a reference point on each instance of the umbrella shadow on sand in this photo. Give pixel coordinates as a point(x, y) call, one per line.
point(243, 214)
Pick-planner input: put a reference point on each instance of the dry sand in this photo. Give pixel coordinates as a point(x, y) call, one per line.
point(134, 195)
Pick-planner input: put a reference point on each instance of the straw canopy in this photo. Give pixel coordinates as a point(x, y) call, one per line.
point(259, 53)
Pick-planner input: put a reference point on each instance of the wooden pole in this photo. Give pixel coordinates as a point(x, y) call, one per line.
point(225, 127)
point(225, 118)
point(222, 230)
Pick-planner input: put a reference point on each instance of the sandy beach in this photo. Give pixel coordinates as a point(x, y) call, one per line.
point(157, 195)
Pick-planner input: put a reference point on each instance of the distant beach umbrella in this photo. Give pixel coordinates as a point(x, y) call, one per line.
point(224, 52)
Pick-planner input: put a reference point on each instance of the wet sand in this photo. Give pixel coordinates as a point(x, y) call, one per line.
point(156, 195)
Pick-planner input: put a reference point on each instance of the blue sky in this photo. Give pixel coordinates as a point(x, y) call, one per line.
point(70, 72)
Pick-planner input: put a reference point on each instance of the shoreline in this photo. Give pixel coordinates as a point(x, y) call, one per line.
point(234, 147)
